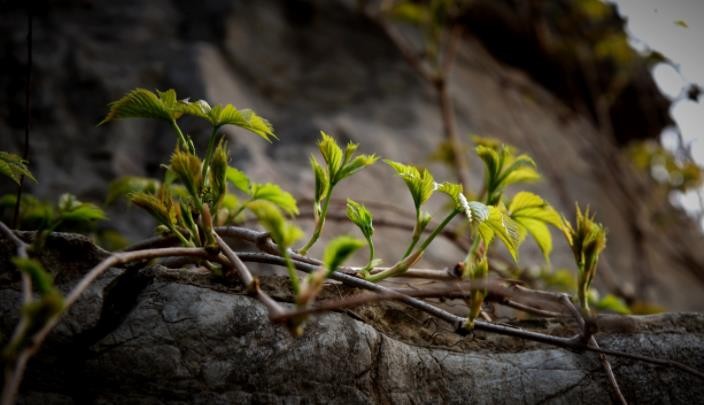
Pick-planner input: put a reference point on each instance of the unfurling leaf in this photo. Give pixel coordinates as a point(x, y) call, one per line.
point(419, 181)
point(612, 303)
point(503, 168)
point(188, 169)
point(218, 173)
point(273, 193)
point(321, 179)
point(270, 217)
point(453, 190)
point(14, 167)
point(165, 211)
point(341, 164)
point(332, 154)
point(338, 250)
point(360, 216)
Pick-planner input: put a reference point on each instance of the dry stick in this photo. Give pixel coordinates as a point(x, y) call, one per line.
point(571, 343)
point(591, 340)
point(246, 276)
point(13, 375)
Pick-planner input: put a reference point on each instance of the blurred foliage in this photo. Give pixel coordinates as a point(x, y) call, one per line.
point(664, 167)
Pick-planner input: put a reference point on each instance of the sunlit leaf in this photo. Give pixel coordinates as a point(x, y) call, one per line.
point(500, 225)
point(273, 193)
point(321, 179)
point(360, 216)
point(420, 182)
point(239, 179)
point(142, 103)
point(533, 213)
point(220, 115)
point(14, 167)
point(332, 154)
point(338, 250)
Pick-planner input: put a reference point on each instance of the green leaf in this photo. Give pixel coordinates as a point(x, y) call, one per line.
point(321, 179)
point(165, 212)
point(533, 213)
point(332, 153)
point(14, 167)
point(270, 217)
point(273, 193)
point(360, 216)
point(503, 227)
point(83, 213)
point(42, 281)
point(338, 250)
point(188, 169)
point(355, 165)
point(453, 190)
point(127, 185)
point(420, 182)
point(142, 103)
point(220, 115)
point(218, 172)
point(612, 303)
point(239, 179)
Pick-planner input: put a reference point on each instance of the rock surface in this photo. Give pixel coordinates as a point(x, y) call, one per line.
point(157, 335)
point(306, 66)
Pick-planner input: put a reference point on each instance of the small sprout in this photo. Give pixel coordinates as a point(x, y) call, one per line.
point(14, 167)
point(142, 103)
point(503, 168)
point(187, 167)
point(339, 165)
point(587, 239)
point(239, 179)
point(218, 173)
point(360, 216)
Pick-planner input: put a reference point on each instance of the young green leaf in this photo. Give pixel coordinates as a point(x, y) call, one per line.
point(127, 185)
point(188, 169)
point(14, 167)
point(142, 103)
point(360, 216)
point(273, 193)
point(499, 224)
point(332, 154)
point(321, 179)
point(239, 179)
point(165, 212)
point(533, 214)
point(220, 115)
point(338, 250)
point(353, 166)
point(503, 168)
point(612, 303)
point(453, 190)
point(419, 181)
point(218, 172)
point(270, 217)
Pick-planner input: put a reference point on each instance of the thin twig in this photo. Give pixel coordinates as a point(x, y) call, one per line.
point(13, 378)
point(247, 279)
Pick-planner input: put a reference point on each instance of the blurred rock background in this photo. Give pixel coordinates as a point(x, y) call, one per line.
point(528, 73)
